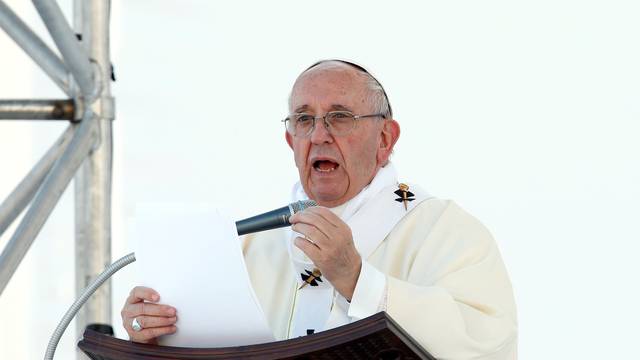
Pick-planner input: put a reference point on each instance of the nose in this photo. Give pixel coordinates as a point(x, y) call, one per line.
point(320, 133)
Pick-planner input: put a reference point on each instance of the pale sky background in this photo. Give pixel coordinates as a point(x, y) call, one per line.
point(527, 113)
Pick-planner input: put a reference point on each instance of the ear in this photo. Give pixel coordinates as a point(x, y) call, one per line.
point(388, 136)
point(287, 136)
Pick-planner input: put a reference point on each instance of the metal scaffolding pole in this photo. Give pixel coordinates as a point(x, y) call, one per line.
point(34, 47)
point(84, 150)
point(24, 192)
point(64, 37)
point(46, 199)
point(93, 181)
point(37, 109)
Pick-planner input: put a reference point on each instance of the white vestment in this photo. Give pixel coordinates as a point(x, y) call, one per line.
point(433, 268)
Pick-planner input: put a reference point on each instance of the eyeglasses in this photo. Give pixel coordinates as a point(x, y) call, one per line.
point(337, 123)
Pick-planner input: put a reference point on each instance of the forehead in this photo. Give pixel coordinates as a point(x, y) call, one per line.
point(328, 86)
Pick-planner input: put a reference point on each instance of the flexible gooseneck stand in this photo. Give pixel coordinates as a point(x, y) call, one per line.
point(88, 291)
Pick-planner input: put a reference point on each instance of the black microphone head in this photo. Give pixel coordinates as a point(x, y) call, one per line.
point(298, 206)
point(273, 219)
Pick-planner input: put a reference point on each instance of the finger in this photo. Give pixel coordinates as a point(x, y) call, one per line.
point(314, 220)
point(328, 215)
point(140, 293)
point(148, 322)
point(146, 335)
point(142, 308)
point(331, 231)
point(340, 228)
point(305, 213)
point(311, 233)
point(307, 247)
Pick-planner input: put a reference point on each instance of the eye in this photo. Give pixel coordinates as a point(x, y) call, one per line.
point(303, 119)
point(341, 115)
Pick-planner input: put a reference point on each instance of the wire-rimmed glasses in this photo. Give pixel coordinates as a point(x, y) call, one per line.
point(337, 123)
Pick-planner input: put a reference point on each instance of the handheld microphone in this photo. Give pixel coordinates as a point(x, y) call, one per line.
point(273, 219)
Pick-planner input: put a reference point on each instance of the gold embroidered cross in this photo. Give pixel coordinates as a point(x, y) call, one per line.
point(404, 194)
point(310, 278)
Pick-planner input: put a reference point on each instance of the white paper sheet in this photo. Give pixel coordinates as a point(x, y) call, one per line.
point(192, 256)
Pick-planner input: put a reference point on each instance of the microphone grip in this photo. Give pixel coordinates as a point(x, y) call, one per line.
point(271, 220)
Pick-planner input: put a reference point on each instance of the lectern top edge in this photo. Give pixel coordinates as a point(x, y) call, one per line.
point(377, 336)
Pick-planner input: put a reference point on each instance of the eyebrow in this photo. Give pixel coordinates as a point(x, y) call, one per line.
point(334, 107)
point(339, 107)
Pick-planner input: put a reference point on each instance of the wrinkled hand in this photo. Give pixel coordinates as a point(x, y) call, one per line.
point(329, 244)
point(156, 319)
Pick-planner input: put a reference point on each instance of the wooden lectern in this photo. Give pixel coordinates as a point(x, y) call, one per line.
point(376, 337)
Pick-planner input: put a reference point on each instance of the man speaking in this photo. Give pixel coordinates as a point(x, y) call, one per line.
point(374, 242)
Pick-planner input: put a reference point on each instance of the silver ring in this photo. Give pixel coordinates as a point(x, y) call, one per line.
point(135, 325)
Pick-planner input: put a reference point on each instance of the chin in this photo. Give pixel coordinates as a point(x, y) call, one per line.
point(324, 195)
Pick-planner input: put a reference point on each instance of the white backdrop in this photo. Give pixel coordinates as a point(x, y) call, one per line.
point(525, 113)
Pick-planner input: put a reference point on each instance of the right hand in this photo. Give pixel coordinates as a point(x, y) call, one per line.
point(156, 319)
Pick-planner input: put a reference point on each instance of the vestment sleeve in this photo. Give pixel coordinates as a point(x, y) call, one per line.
point(456, 298)
point(369, 296)
point(451, 293)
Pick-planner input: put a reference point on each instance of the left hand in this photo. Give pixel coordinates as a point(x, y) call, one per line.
point(329, 244)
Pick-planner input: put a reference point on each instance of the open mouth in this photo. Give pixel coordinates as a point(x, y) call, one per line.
point(325, 166)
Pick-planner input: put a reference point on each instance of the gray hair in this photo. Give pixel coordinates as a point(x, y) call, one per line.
point(377, 97)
